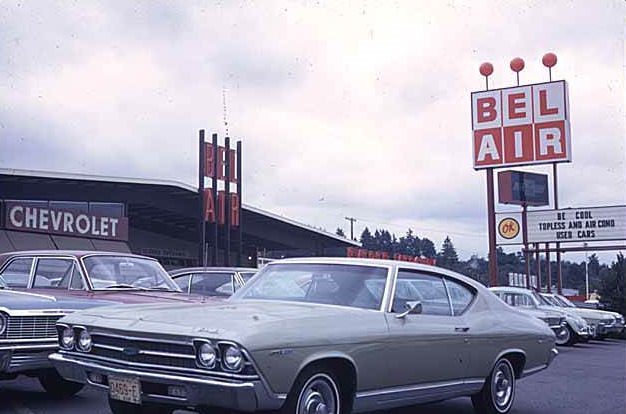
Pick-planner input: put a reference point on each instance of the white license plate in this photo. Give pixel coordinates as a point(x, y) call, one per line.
point(125, 389)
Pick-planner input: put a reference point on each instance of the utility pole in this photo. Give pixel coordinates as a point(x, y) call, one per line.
point(352, 220)
point(586, 273)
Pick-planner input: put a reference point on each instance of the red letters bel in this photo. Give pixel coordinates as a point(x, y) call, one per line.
point(521, 125)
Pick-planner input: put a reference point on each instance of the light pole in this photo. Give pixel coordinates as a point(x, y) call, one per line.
point(586, 273)
point(351, 220)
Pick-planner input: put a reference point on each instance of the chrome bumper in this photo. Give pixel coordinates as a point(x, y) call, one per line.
point(199, 391)
point(21, 357)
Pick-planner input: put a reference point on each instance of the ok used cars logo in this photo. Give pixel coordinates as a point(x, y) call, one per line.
point(508, 228)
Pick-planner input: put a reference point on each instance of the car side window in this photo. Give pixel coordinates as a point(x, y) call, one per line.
point(183, 282)
point(212, 284)
point(17, 273)
point(425, 288)
point(53, 273)
point(460, 296)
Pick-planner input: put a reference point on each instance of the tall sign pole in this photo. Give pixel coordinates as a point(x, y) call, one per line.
point(201, 202)
point(239, 206)
point(486, 69)
point(215, 232)
point(227, 202)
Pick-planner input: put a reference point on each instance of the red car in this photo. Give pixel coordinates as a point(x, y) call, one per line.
point(117, 277)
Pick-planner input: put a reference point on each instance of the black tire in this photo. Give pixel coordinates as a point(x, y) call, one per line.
point(488, 400)
point(57, 386)
point(317, 385)
point(121, 407)
point(573, 337)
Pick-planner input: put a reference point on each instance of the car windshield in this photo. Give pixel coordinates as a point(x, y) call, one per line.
point(542, 300)
point(333, 284)
point(565, 301)
point(126, 272)
point(552, 301)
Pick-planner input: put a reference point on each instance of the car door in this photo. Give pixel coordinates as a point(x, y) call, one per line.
point(429, 347)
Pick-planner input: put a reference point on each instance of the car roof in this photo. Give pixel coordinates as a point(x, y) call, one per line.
point(176, 272)
point(75, 253)
point(510, 289)
point(393, 264)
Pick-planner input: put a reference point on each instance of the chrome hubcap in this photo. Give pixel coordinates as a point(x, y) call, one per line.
point(319, 396)
point(502, 386)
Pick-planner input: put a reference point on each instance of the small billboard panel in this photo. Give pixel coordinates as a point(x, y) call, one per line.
point(519, 187)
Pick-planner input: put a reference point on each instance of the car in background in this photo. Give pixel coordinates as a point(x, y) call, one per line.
point(117, 277)
point(604, 323)
point(315, 335)
point(212, 281)
point(28, 336)
point(531, 303)
point(579, 329)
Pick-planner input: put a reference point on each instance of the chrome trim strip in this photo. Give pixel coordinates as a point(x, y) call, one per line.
point(39, 312)
point(13, 341)
point(420, 387)
point(144, 352)
point(534, 370)
point(205, 372)
point(145, 339)
point(57, 357)
point(28, 347)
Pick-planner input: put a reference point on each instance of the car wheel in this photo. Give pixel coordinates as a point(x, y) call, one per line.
point(316, 391)
point(498, 393)
point(55, 385)
point(121, 407)
point(567, 337)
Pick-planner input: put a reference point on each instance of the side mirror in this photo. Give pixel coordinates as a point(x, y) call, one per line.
point(412, 308)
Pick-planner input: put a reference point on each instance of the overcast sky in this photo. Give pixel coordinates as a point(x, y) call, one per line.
point(344, 108)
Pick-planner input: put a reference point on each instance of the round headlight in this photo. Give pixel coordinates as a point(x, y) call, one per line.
point(233, 358)
point(67, 338)
point(3, 323)
point(207, 355)
point(84, 341)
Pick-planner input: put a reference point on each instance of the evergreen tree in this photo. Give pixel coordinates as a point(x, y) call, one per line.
point(613, 286)
point(367, 241)
point(448, 257)
point(427, 248)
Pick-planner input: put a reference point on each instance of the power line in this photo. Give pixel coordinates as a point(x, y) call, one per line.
point(352, 220)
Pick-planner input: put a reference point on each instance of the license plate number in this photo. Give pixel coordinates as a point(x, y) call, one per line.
point(125, 389)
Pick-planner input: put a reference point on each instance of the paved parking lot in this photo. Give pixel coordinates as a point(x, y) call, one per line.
point(586, 379)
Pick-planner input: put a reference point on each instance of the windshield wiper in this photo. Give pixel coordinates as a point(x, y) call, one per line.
point(122, 286)
point(164, 288)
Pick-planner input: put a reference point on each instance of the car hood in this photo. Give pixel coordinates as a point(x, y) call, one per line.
point(249, 322)
point(541, 312)
point(19, 301)
point(591, 313)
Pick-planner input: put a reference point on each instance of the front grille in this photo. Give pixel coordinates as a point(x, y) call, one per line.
point(31, 327)
point(553, 321)
point(152, 353)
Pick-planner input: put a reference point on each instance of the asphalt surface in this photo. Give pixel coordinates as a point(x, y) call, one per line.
point(586, 379)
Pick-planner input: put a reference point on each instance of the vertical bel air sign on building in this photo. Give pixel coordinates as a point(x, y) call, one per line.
point(521, 125)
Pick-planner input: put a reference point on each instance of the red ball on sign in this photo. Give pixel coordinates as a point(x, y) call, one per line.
point(549, 60)
point(517, 64)
point(486, 69)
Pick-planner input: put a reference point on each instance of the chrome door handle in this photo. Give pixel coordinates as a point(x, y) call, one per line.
point(461, 329)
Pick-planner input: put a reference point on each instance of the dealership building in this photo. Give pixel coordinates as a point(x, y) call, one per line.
point(157, 218)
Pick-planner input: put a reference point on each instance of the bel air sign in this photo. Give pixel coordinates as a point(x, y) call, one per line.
point(566, 225)
point(521, 125)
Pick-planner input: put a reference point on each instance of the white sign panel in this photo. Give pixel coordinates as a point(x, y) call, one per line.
point(577, 224)
point(521, 125)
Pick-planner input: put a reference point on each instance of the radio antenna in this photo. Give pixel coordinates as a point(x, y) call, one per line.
point(225, 110)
